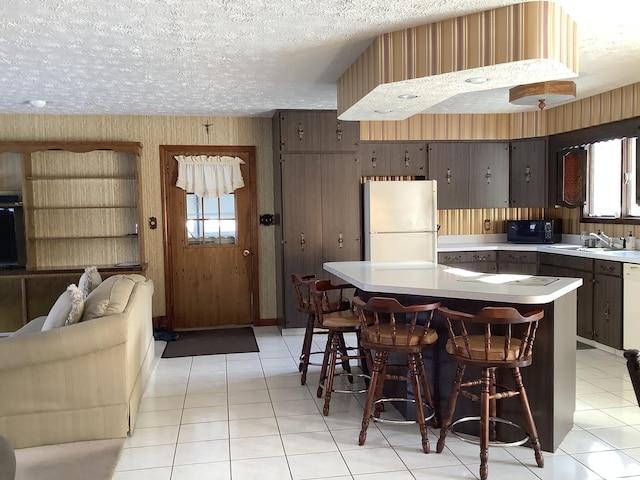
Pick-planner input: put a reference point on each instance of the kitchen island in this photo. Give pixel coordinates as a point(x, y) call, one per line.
point(550, 380)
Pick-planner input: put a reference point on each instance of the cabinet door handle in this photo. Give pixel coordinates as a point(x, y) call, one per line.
point(527, 174)
point(606, 311)
point(374, 159)
point(448, 177)
point(303, 241)
point(300, 131)
point(406, 159)
point(488, 175)
point(481, 258)
point(339, 131)
point(340, 241)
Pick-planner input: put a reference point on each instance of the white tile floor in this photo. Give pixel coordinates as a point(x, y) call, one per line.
point(246, 416)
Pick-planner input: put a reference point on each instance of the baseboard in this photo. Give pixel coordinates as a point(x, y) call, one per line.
point(266, 322)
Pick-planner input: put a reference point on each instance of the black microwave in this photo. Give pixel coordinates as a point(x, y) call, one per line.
point(534, 231)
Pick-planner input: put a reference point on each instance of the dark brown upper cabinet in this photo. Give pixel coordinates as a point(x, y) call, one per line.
point(528, 173)
point(305, 131)
point(393, 158)
point(470, 174)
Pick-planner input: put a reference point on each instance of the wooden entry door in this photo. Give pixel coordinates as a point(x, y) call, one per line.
point(210, 247)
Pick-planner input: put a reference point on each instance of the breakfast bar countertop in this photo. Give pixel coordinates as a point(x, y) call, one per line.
point(430, 279)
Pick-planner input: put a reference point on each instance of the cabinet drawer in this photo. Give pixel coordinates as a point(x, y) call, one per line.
point(447, 258)
point(522, 257)
point(483, 256)
point(470, 256)
point(608, 268)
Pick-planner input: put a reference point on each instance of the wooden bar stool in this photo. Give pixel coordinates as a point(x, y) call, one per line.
point(302, 287)
point(389, 327)
point(494, 338)
point(337, 324)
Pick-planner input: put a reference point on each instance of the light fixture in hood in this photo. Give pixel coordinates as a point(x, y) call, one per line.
point(543, 93)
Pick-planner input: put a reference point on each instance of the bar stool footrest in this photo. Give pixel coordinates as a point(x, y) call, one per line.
point(401, 422)
point(466, 437)
point(347, 374)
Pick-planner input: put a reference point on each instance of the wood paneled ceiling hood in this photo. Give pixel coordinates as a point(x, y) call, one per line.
point(412, 71)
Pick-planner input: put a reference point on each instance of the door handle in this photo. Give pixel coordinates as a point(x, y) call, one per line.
point(246, 253)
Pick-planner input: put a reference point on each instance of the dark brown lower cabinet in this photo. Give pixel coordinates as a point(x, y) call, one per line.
point(599, 297)
point(525, 263)
point(482, 261)
point(607, 303)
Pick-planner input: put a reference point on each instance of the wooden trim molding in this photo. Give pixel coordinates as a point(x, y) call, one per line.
point(75, 147)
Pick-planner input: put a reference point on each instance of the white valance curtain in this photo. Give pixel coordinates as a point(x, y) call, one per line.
point(209, 176)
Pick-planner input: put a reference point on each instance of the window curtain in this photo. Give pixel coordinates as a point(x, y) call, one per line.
point(209, 176)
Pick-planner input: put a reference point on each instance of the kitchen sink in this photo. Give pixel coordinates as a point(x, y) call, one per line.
point(580, 248)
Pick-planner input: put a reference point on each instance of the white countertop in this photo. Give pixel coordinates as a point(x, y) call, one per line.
point(627, 256)
point(429, 279)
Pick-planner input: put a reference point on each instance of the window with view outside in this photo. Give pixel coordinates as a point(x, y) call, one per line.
point(611, 180)
point(211, 221)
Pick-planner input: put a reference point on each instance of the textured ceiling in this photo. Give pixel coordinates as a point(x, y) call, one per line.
point(244, 57)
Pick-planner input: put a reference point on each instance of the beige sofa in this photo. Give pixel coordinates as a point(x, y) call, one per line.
point(83, 381)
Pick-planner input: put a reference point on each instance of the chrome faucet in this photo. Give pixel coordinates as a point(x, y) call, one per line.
point(608, 241)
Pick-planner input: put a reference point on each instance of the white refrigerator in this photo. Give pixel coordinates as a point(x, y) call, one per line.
point(400, 221)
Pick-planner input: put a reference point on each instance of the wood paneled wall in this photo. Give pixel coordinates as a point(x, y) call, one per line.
point(618, 104)
point(153, 131)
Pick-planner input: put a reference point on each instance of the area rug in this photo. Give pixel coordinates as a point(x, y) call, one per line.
point(95, 460)
point(212, 342)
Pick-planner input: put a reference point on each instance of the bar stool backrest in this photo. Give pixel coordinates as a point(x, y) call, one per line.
point(326, 298)
point(385, 320)
point(302, 287)
point(495, 335)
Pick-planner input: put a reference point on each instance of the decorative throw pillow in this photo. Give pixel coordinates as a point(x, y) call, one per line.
point(67, 310)
point(89, 280)
point(110, 297)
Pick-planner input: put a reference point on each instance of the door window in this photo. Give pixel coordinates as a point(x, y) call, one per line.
point(211, 221)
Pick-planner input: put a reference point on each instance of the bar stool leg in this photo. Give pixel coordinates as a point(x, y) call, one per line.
point(531, 426)
point(484, 422)
point(344, 354)
point(379, 390)
point(451, 407)
point(424, 380)
point(306, 349)
point(325, 363)
point(376, 378)
point(492, 404)
point(331, 368)
point(413, 374)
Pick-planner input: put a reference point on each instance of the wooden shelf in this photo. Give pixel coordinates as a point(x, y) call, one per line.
point(88, 237)
point(96, 207)
point(89, 177)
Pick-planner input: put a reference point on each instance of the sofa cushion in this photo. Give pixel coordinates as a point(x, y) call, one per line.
point(34, 325)
point(67, 310)
point(110, 297)
point(89, 280)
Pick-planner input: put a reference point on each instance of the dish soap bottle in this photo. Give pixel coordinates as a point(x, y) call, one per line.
point(631, 242)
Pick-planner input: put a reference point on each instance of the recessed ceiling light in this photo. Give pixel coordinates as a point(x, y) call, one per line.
point(407, 96)
point(477, 80)
point(38, 103)
point(384, 111)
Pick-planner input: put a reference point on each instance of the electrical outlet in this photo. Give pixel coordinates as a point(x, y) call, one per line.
point(487, 225)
